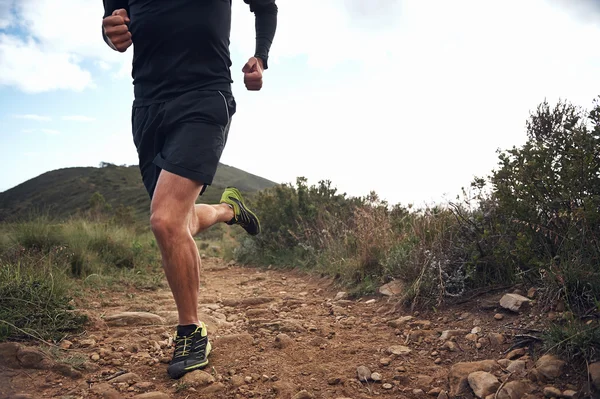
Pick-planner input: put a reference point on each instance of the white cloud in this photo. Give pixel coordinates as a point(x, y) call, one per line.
point(34, 117)
point(60, 35)
point(78, 118)
point(34, 69)
point(50, 132)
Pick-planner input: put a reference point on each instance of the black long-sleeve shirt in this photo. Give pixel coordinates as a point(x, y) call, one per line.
point(183, 45)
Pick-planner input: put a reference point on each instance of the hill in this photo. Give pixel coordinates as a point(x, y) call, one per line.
point(63, 192)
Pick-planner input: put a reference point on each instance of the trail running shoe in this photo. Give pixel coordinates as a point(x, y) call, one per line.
point(242, 215)
point(191, 352)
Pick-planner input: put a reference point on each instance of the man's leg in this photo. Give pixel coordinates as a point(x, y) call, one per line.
point(203, 216)
point(170, 219)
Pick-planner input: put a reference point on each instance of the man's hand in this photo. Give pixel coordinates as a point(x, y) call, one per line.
point(116, 30)
point(253, 71)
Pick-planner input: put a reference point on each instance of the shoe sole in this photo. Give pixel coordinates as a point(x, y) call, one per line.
point(176, 371)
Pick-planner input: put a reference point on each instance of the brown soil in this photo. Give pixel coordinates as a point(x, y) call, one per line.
point(247, 310)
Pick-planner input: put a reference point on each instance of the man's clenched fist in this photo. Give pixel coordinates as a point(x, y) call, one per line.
point(116, 30)
point(253, 74)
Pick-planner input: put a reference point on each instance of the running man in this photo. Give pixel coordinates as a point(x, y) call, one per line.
point(181, 114)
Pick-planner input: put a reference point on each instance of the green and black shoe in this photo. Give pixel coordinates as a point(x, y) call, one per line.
point(242, 215)
point(191, 352)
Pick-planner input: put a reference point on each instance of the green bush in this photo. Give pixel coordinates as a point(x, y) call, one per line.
point(35, 298)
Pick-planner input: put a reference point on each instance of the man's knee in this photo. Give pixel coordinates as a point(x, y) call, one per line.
point(166, 225)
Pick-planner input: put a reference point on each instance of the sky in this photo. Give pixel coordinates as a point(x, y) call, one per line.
point(408, 98)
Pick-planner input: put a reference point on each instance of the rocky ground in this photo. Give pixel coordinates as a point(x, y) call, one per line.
point(286, 335)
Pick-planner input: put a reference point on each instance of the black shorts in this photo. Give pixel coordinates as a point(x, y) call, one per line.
point(185, 136)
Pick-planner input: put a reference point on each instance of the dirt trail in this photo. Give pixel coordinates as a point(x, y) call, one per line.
point(275, 335)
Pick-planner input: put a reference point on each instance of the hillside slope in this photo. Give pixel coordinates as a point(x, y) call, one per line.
point(63, 192)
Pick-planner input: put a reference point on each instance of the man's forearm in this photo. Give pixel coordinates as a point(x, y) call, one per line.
point(265, 12)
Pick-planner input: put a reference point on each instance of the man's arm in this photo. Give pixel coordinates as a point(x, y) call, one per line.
point(109, 7)
point(265, 12)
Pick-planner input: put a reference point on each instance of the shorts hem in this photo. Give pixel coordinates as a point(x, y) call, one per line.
point(199, 177)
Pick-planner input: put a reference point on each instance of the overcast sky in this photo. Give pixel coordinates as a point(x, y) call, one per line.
point(410, 98)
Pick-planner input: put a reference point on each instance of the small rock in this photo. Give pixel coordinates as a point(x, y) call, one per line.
point(65, 344)
point(95, 357)
point(514, 302)
point(446, 335)
point(87, 343)
point(552, 392)
point(105, 391)
point(334, 380)
point(483, 383)
point(517, 367)
point(438, 360)
point(376, 377)
point(392, 288)
point(129, 378)
point(443, 395)
point(340, 295)
point(304, 394)
point(152, 395)
point(497, 339)
point(476, 330)
point(363, 373)
point(569, 394)
point(144, 386)
point(498, 316)
point(283, 341)
point(237, 381)
point(399, 350)
point(248, 380)
point(515, 390)
point(397, 323)
point(531, 293)
point(370, 301)
point(198, 378)
point(434, 391)
point(386, 361)
point(459, 373)
point(213, 389)
point(417, 391)
point(133, 319)
point(516, 353)
point(387, 386)
point(550, 367)
point(471, 337)
point(450, 346)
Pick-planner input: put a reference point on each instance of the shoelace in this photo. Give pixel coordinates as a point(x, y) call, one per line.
point(179, 351)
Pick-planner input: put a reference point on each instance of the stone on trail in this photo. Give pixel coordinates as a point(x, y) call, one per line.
point(304, 394)
point(549, 367)
point(392, 288)
point(515, 389)
point(133, 319)
point(106, 391)
point(340, 295)
point(198, 378)
point(397, 323)
point(363, 373)
point(552, 392)
point(446, 335)
point(376, 377)
point(283, 341)
point(130, 378)
point(514, 302)
point(483, 383)
point(399, 350)
point(459, 373)
point(152, 395)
